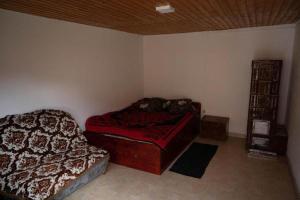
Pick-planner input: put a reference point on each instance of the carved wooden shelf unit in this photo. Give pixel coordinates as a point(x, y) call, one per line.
point(262, 129)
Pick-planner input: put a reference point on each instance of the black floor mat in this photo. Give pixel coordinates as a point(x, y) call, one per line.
point(194, 160)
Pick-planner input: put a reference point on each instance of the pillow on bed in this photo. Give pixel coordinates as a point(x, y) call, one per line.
point(150, 105)
point(178, 106)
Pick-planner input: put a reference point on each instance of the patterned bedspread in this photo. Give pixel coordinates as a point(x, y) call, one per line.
point(42, 153)
point(156, 127)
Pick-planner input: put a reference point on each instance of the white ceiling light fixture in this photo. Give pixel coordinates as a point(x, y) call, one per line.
point(164, 8)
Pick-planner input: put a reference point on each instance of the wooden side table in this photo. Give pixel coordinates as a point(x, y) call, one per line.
point(214, 127)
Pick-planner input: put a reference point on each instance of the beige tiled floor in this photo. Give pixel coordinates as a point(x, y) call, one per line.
point(231, 175)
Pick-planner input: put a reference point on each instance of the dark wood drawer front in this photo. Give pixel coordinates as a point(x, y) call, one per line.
point(215, 129)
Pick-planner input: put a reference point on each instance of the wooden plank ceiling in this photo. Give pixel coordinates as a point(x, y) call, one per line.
point(139, 16)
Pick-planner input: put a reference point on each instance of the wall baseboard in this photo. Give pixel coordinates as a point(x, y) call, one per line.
point(237, 135)
point(293, 179)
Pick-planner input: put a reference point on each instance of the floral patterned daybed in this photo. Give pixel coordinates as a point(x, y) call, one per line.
point(43, 155)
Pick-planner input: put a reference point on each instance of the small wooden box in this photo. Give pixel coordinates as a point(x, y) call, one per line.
point(215, 127)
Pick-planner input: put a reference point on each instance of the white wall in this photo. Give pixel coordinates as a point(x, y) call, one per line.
point(294, 113)
point(46, 63)
point(215, 67)
point(88, 70)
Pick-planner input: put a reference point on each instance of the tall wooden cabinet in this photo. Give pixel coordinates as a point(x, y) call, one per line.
point(263, 133)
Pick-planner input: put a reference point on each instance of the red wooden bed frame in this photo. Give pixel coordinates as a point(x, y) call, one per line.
point(144, 155)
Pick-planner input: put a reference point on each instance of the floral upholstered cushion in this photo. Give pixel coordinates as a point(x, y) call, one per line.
point(41, 153)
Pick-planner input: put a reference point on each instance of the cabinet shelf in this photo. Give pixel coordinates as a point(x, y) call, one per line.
point(263, 105)
point(260, 135)
point(268, 148)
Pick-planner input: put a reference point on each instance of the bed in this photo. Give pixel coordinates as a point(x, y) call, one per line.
point(149, 134)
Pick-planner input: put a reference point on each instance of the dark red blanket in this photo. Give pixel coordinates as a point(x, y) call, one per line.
point(156, 127)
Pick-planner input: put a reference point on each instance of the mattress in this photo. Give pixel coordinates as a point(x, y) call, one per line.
point(157, 127)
